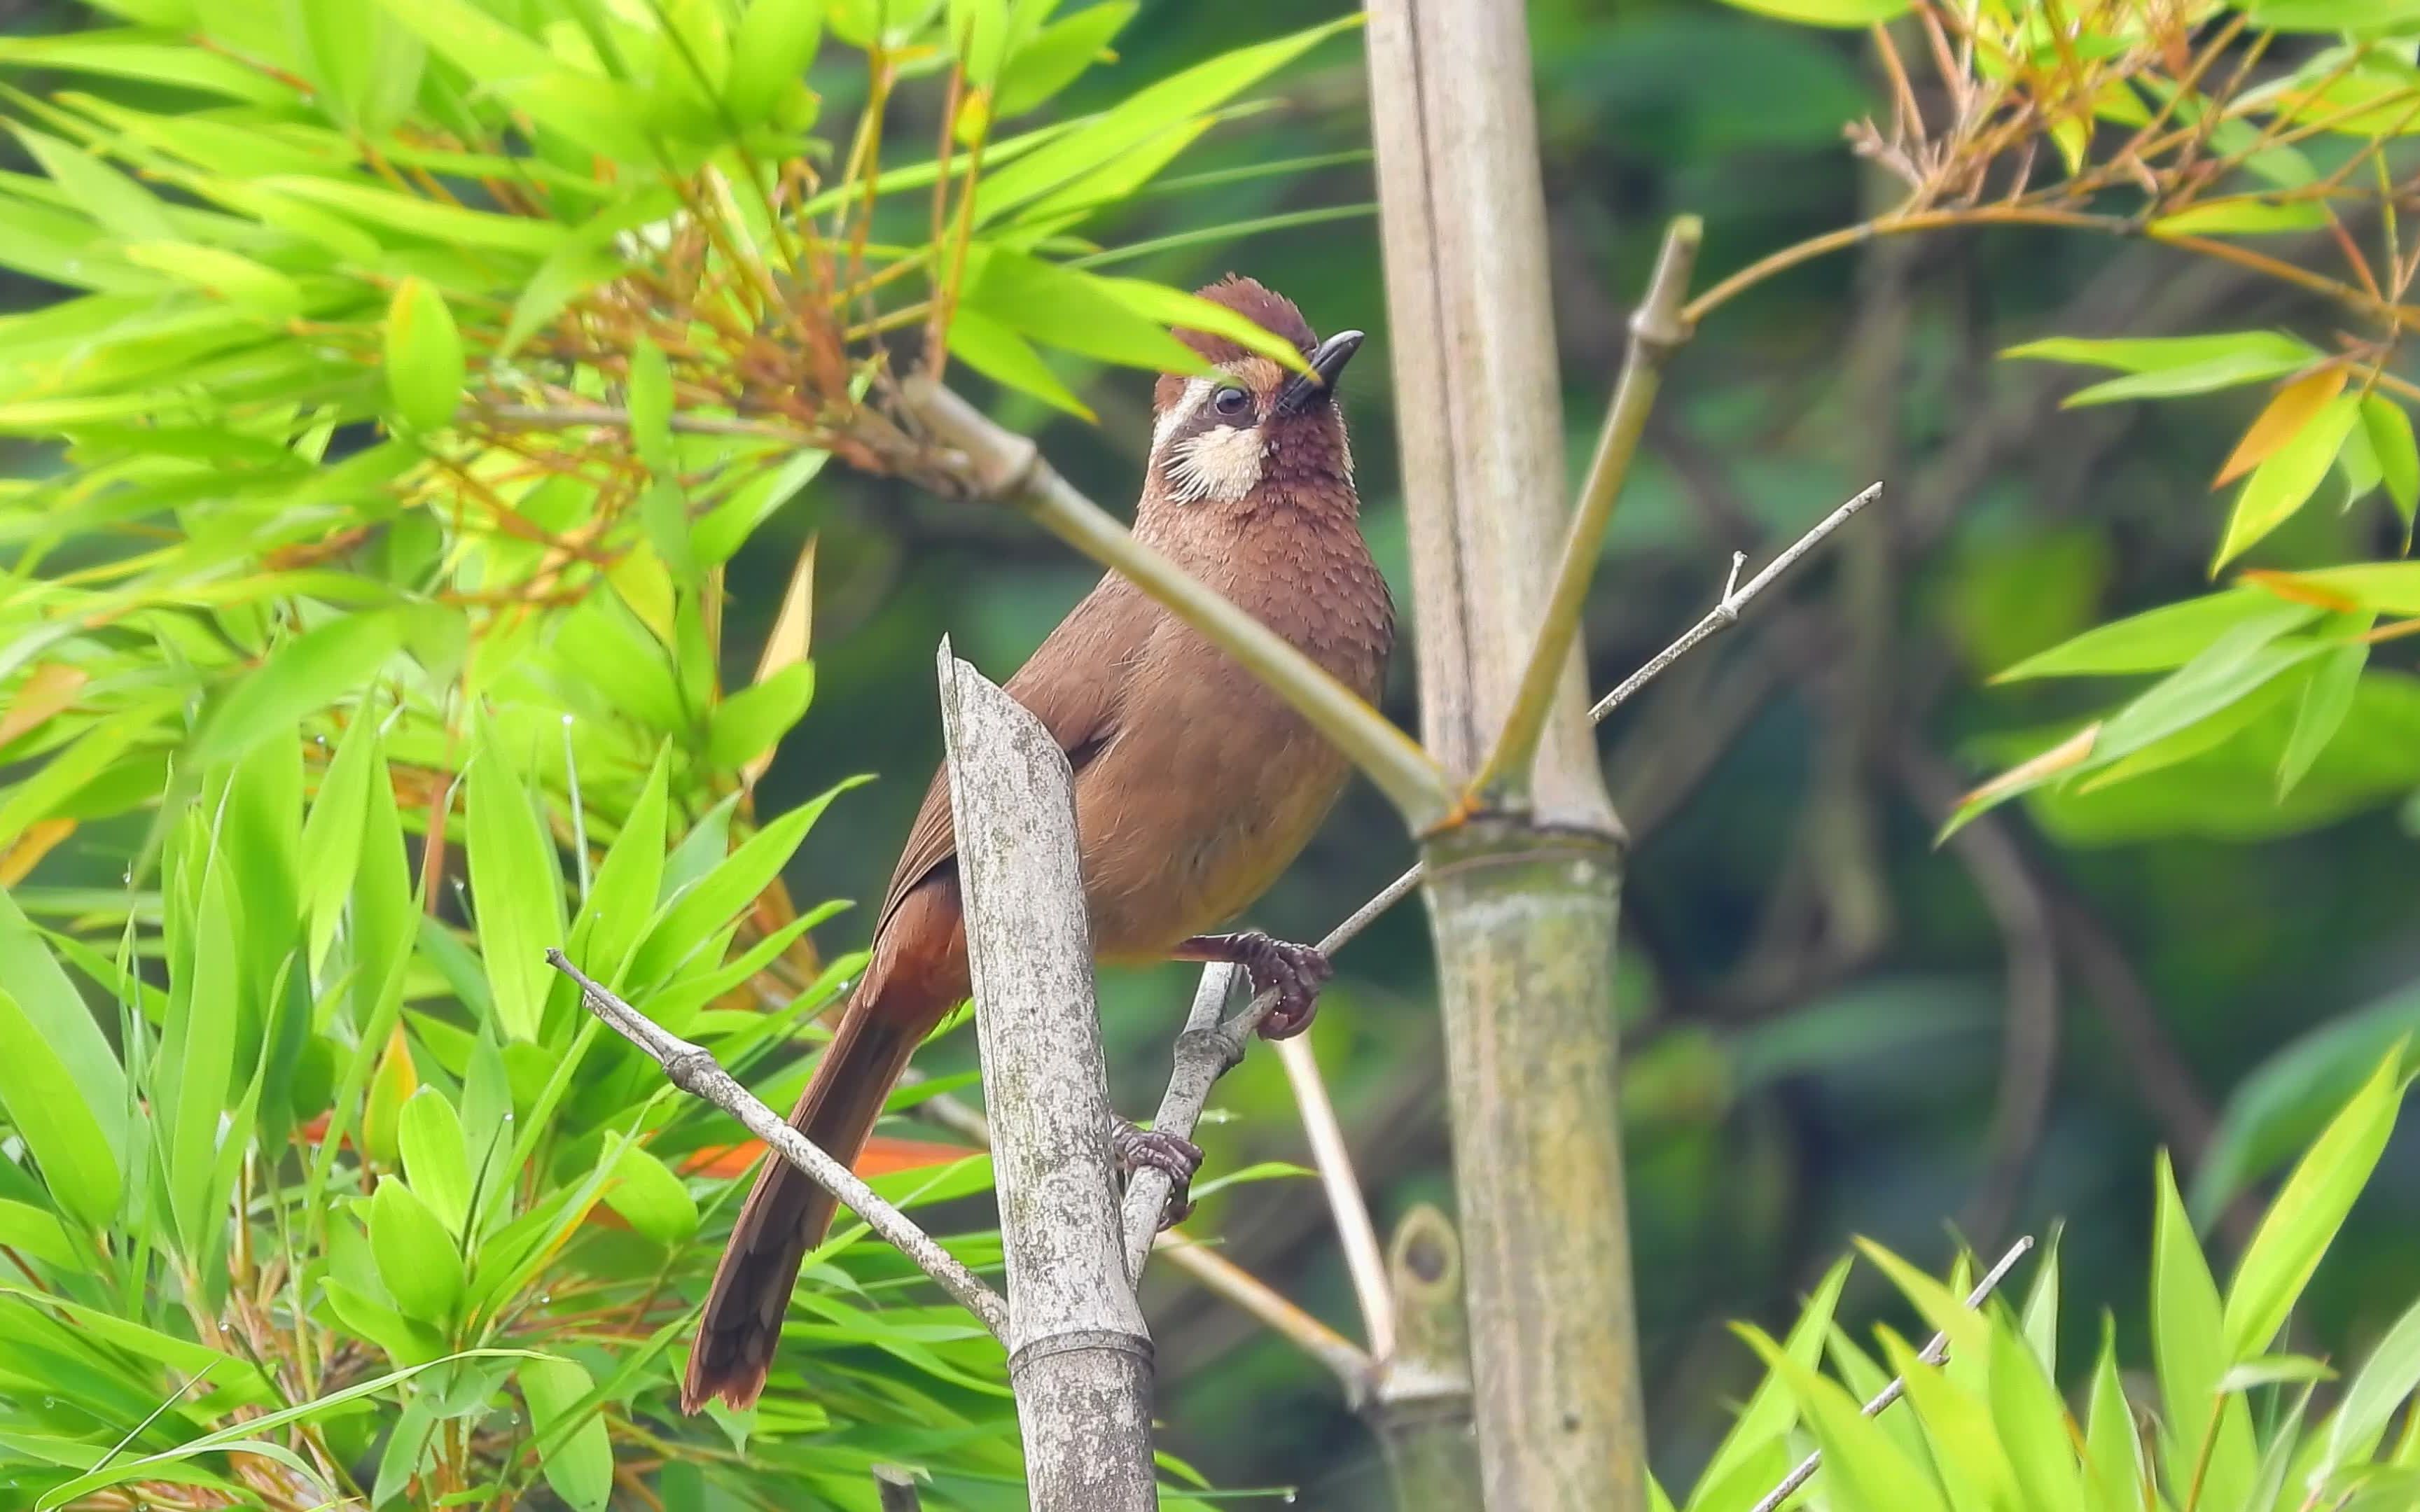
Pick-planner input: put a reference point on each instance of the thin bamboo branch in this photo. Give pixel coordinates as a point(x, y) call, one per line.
point(1004, 467)
point(1932, 1354)
point(1365, 1262)
point(1726, 612)
point(693, 1069)
point(1656, 332)
point(1348, 1362)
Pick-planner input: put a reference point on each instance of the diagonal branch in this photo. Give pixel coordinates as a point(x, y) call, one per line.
point(693, 1069)
point(1658, 333)
point(999, 465)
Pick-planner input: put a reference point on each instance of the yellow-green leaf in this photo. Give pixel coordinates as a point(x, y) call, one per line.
point(2304, 1220)
point(2281, 419)
point(2389, 427)
point(2284, 483)
point(425, 371)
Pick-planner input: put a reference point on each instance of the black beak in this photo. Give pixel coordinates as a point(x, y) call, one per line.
point(1327, 366)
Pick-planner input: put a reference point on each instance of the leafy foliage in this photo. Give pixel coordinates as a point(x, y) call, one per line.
point(421, 368)
point(2230, 1426)
point(368, 1211)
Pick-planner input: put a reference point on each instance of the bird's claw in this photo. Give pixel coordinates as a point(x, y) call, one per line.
point(1296, 971)
point(1141, 1149)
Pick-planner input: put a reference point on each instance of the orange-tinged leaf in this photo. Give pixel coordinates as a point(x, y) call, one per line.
point(2066, 755)
point(51, 686)
point(2286, 585)
point(2281, 419)
point(28, 849)
point(882, 1156)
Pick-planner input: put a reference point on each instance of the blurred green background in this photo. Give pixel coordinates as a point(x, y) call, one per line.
point(1833, 1027)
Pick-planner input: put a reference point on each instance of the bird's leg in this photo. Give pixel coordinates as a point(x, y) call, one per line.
point(1137, 1149)
point(1296, 971)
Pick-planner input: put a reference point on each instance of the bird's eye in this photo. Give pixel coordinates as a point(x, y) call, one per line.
point(1230, 401)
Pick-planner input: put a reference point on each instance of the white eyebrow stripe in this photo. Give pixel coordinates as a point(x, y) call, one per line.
point(1196, 391)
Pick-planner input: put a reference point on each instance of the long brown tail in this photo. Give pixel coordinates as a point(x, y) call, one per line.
point(786, 1214)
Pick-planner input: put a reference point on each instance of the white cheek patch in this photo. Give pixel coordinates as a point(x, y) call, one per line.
point(1222, 464)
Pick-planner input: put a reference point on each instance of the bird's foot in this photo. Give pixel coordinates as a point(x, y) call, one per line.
point(1141, 1149)
point(1296, 971)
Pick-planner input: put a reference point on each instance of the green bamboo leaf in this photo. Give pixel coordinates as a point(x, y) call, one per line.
point(331, 835)
point(1734, 1478)
point(117, 203)
point(2240, 216)
point(2388, 425)
point(2158, 639)
point(449, 226)
point(664, 513)
point(2385, 1381)
point(578, 1459)
point(651, 407)
point(2169, 354)
point(1067, 308)
point(1000, 354)
point(1057, 56)
point(141, 55)
point(1174, 307)
point(1865, 1469)
point(621, 896)
point(418, 1260)
point(428, 1135)
point(368, 68)
point(516, 889)
point(647, 1192)
point(297, 680)
point(37, 1234)
point(2286, 481)
point(697, 914)
point(978, 32)
point(600, 115)
point(1828, 12)
point(424, 372)
point(769, 54)
point(2031, 1422)
point(2243, 660)
point(80, 1073)
point(226, 275)
point(1143, 117)
point(2189, 1352)
point(2304, 1220)
point(2041, 1311)
point(1957, 1427)
point(2114, 1449)
point(752, 719)
point(198, 1049)
point(124, 1469)
point(2326, 699)
point(64, 1136)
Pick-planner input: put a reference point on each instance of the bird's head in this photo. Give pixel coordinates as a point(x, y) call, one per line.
point(1258, 430)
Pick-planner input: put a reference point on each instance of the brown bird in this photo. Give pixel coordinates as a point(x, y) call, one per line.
point(1195, 785)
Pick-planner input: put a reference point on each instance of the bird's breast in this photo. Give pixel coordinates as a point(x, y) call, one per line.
point(1214, 784)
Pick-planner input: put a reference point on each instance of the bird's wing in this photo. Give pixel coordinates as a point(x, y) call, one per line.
point(1073, 683)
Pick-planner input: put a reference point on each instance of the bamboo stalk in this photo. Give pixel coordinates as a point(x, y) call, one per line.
point(1079, 1358)
point(1522, 906)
